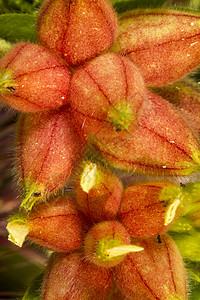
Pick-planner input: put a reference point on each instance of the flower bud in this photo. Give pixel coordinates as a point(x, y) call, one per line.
point(33, 79)
point(107, 243)
point(164, 44)
point(77, 30)
point(48, 149)
point(72, 277)
point(98, 193)
point(157, 272)
point(56, 226)
point(149, 209)
point(185, 94)
point(160, 143)
point(106, 95)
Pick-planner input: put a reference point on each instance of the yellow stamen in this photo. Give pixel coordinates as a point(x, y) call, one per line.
point(171, 212)
point(88, 178)
point(122, 250)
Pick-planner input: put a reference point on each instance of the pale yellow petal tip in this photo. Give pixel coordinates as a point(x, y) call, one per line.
point(88, 177)
point(17, 233)
point(122, 250)
point(171, 212)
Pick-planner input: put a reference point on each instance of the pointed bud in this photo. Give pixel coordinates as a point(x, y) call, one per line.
point(149, 209)
point(107, 243)
point(48, 149)
point(71, 276)
point(56, 226)
point(37, 79)
point(164, 44)
point(157, 272)
point(77, 30)
point(103, 106)
point(185, 94)
point(160, 142)
point(102, 200)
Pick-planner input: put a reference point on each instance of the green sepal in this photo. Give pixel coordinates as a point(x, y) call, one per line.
point(33, 193)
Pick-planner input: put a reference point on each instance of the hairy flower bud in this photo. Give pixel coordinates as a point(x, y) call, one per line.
point(106, 95)
point(164, 44)
point(149, 209)
point(37, 78)
point(72, 277)
point(77, 30)
point(56, 225)
point(157, 272)
point(160, 142)
point(107, 243)
point(102, 198)
point(48, 149)
point(185, 95)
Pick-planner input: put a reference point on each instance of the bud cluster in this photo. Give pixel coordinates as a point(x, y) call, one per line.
point(96, 95)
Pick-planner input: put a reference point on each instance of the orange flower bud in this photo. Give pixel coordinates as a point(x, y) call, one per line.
point(185, 94)
point(48, 149)
point(107, 243)
point(106, 95)
point(149, 209)
point(77, 30)
point(56, 225)
point(72, 277)
point(159, 143)
point(157, 272)
point(33, 79)
point(98, 193)
point(164, 44)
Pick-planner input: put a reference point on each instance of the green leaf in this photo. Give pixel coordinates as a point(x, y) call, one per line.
point(125, 5)
point(18, 27)
point(34, 290)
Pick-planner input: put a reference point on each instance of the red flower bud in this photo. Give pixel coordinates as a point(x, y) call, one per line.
point(157, 272)
point(98, 193)
point(107, 243)
point(72, 277)
point(48, 149)
point(149, 209)
point(77, 30)
point(185, 95)
point(164, 44)
point(106, 95)
point(56, 225)
point(33, 79)
point(160, 142)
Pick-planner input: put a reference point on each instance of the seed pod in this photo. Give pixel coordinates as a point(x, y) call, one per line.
point(106, 95)
point(149, 209)
point(70, 276)
point(157, 272)
point(160, 143)
point(33, 79)
point(107, 243)
point(77, 30)
point(48, 149)
point(164, 44)
point(56, 225)
point(185, 94)
point(102, 198)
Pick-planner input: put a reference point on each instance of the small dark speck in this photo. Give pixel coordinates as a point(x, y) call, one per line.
point(12, 89)
point(159, 239)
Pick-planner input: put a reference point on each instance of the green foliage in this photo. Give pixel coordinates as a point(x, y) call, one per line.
point(33, 292)
point(18, 27)
point(125, 5)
